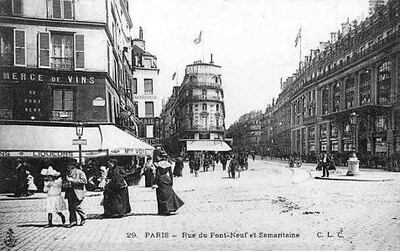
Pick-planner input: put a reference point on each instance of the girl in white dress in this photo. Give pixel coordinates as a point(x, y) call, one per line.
point(55, 202)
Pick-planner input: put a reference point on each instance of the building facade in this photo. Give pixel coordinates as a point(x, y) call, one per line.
point(196, 110)
point(146, 91)
point(64, 61)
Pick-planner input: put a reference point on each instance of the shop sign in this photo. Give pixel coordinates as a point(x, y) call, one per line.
point(51, 154)
point(135, 97)
point(99, 101)
point(131, 151)
point(42, 77)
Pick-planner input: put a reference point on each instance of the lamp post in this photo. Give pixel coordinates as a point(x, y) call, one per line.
point(353, 162)
point(79, 133)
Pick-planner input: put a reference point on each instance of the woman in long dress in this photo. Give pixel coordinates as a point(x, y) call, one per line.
point(115, 197)
point(167, 200)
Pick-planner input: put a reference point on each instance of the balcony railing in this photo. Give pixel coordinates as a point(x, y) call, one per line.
point(203, 98)
point(62, 63)
point(205, 84)
point(204, 128)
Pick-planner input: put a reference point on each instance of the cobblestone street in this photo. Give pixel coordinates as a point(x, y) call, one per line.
point(269, 198)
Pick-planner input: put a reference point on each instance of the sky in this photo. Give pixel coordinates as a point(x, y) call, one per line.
point(253, 41)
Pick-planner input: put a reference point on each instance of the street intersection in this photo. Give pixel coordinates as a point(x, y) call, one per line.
point(269, 207)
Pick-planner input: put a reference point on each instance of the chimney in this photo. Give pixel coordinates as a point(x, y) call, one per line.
point(312, 52)
point(140, 33)
point(211, 60)
point(334, 37)
point(345, 28)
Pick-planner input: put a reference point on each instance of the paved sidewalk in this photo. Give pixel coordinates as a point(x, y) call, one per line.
point(269, 198)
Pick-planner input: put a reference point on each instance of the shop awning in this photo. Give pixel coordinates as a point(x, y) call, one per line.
point(207, 145)
point(119, 142)
point(57, 141)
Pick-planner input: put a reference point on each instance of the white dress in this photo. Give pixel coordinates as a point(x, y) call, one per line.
point(55, 202)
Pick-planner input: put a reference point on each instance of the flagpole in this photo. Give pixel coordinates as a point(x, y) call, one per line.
point(203, 49)
point(300, 50)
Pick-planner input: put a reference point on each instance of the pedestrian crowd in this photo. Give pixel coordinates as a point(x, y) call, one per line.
point(66, 190)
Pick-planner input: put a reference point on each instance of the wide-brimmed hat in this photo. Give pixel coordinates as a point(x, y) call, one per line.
point(50, 172)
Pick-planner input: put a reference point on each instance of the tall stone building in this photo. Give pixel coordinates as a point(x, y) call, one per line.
point(146, 91)
point(63, 62)
point(194, 116)
point(346, 95)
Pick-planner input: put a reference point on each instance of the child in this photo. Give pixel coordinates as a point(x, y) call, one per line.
point(55, 202)
point(31, 184)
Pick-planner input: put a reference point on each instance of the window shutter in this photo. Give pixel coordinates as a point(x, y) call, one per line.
point(44, 49)
point(79, 52)
point(56, 9)
point(19, 48)
point(68, 9)
point(17, 7)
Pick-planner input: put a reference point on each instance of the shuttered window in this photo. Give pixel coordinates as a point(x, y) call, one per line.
point(62, 56)
point(44, 49)
point(6, 46)
point(19, 48)
point(61, 9)
point(63, 104)
point(79, 51)
point(68, 9)
point(56, 8)
point(17, 7)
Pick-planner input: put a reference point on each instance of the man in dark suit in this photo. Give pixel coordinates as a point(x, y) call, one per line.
point(75, 193)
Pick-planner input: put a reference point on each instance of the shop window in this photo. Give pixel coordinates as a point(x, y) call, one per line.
point(63, 104)
point(149, 109)
point(61, 9)
point(148, 86)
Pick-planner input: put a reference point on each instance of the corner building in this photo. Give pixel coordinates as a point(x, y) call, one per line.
point(197, 111)
point(64, 61)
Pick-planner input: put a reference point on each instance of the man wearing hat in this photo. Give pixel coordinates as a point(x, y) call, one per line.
point(75, 193)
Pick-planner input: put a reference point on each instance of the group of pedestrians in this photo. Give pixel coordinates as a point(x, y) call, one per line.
point(325, 163)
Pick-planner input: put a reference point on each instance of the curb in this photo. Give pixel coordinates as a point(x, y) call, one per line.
point(360, 180)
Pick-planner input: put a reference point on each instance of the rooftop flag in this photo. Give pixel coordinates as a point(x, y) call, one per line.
point(198, 39)
point(297, 38)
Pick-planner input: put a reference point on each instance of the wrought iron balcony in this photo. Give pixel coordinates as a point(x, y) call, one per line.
point(60, 63)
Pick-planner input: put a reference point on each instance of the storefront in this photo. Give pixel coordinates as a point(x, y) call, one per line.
point(44, 145)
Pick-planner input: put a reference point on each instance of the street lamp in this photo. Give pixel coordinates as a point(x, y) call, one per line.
point(79, 133)
point(353, 162)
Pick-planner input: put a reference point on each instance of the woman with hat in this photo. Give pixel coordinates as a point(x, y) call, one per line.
point(55, 202)
point(116, 196)
point(148, 173)
point(167, 200)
